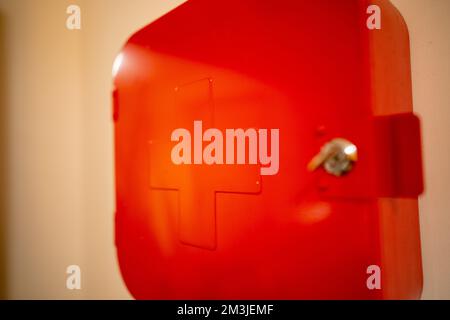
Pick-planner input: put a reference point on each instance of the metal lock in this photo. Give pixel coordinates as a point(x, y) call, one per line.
point(337, 157)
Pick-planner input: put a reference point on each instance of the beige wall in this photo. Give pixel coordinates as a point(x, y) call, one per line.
point(56, 174)
point(429, 26)
point(44, 148)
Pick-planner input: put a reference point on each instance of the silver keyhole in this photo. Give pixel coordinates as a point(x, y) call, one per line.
point(337, 157)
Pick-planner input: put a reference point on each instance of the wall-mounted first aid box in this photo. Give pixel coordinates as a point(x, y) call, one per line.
point(268, 150)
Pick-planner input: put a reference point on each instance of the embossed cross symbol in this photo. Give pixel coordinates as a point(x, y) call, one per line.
point(197, 185)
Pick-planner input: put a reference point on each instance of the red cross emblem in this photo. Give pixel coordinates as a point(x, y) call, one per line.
point(197, 185)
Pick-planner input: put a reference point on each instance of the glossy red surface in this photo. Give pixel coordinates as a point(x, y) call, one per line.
point(226, 232)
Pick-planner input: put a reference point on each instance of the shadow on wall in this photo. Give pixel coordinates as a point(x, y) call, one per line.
point(4, 191)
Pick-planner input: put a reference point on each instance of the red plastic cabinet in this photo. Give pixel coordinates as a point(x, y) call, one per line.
point(311, 70)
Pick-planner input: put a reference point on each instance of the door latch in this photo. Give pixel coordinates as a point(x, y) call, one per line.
point(337, 157)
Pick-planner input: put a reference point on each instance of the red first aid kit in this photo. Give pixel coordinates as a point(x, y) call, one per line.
point(268, 150)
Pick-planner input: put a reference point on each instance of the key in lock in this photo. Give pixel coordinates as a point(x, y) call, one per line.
point(337, 157)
